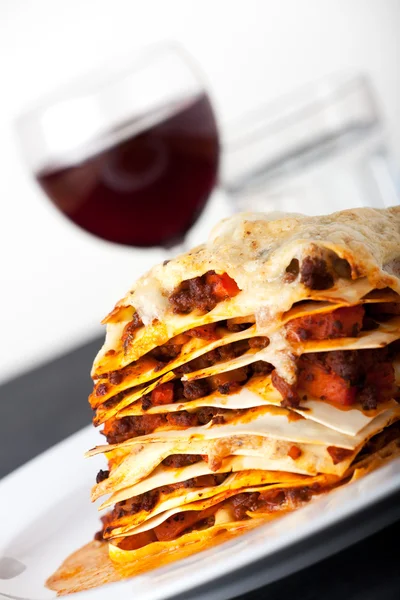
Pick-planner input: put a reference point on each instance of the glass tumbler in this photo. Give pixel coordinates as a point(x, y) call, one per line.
point(318, 150)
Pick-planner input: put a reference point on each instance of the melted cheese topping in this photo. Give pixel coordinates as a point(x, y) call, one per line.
point(268, 318)
point(256, 254)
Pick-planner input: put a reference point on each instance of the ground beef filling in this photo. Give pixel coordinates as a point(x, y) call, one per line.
point(273, 500)
point(317, 273)
point(165, 353)
point(176, 461)
point(314, 274)
point(171, 350)
point(202, 293)
point(147, 501)
point(289, 393)
point(102, 476)
point(209, 359)
point(342, 322)
point(225, 383)
point(120, 430)
point(381, 439)
point(191, 294)
point(341, 377)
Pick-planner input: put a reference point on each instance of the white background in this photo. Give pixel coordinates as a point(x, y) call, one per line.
point(57, 282)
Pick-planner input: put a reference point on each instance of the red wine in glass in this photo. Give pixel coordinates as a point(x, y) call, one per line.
point(133, 158)
point(148, 189)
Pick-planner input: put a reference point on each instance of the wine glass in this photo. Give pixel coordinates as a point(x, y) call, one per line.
point(131, 156)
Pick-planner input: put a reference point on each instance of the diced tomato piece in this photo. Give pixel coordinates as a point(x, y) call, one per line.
point(294, 452)
point(223, 286)
point(133, 542)
point(204, 332)
point(319, 383)
point(342, 322)
point(163, 394)
point(174, 526)
point(338, 454)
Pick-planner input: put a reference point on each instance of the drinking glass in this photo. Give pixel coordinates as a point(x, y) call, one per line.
point(131, 156)
point(320, 149)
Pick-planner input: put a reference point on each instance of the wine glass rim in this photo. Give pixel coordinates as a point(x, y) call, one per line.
point(305, 100)
point(98, 79)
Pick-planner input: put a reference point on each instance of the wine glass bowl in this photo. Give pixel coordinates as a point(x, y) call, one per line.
point(132, 159)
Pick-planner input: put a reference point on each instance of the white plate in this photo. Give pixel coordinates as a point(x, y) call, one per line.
point(46, 514)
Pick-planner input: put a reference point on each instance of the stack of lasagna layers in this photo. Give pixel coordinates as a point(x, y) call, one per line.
point(247, 377)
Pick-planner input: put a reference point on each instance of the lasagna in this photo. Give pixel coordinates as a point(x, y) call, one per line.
point(239, 382)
